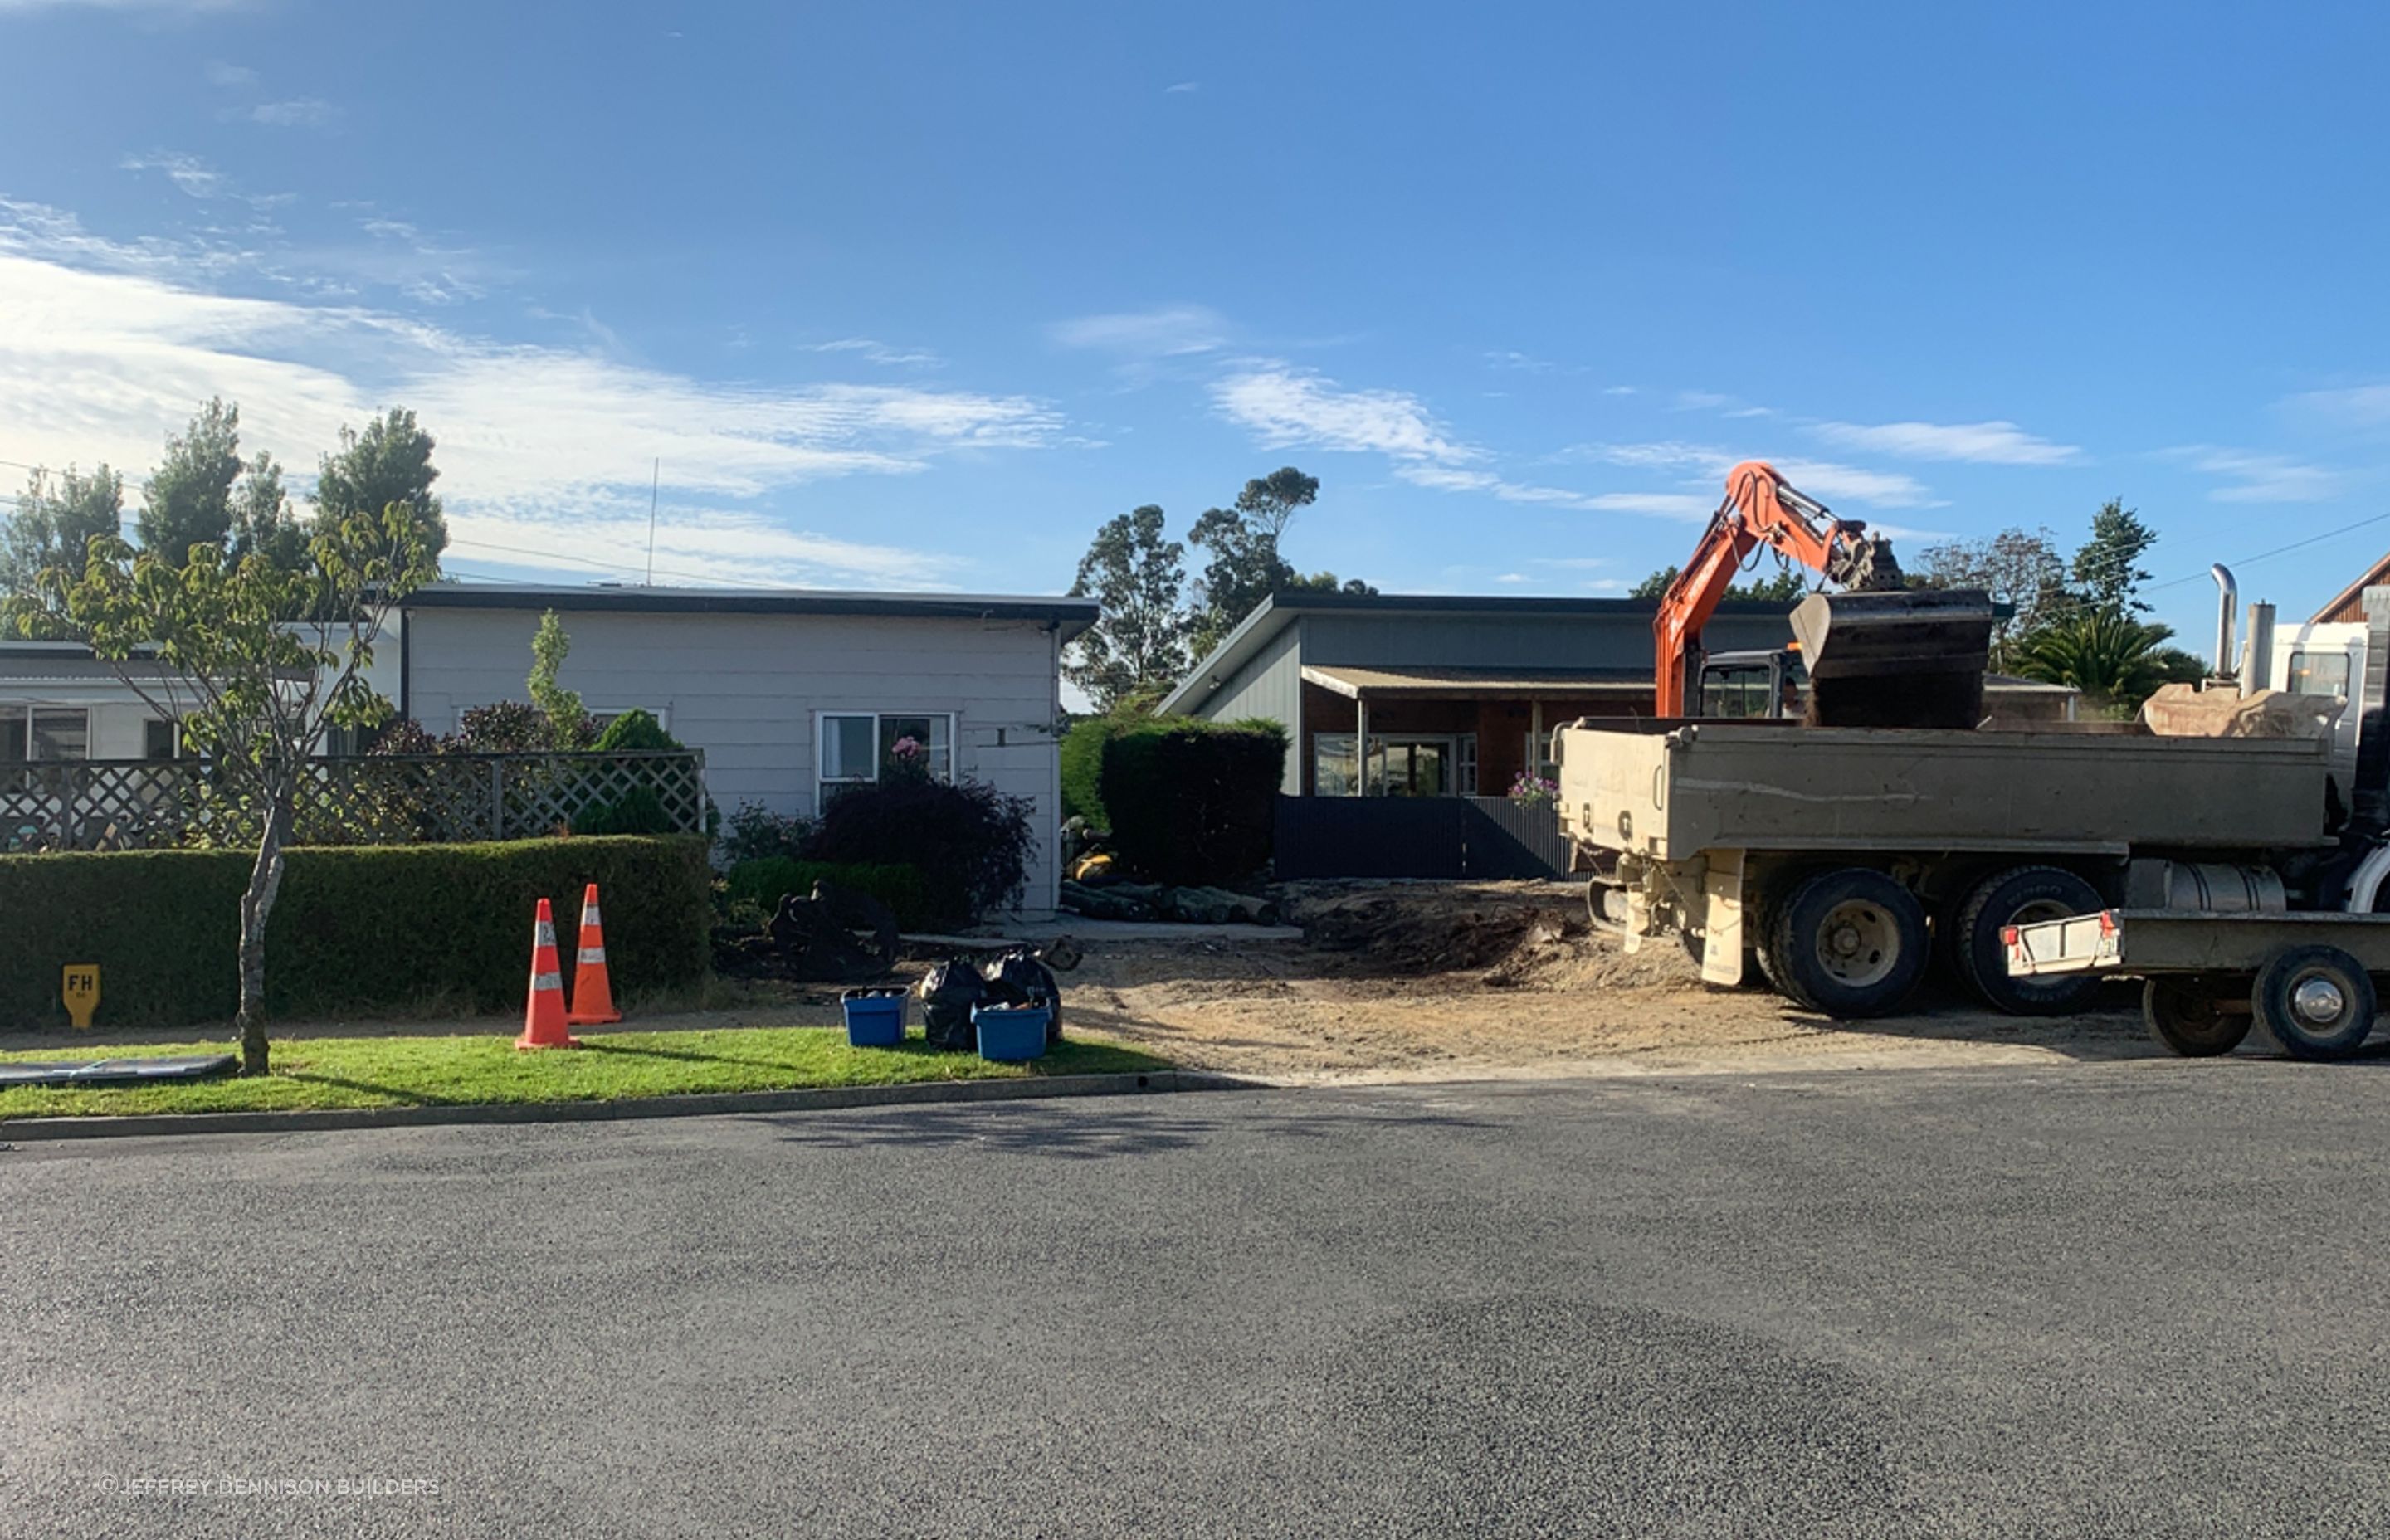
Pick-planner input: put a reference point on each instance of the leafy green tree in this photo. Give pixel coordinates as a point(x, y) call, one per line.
point(1325, 583)
point(2019, 568)
point(262, 519)
point(2107, 570)
point(1131, 657)
point(389, 462)
point(568, 726)
point(1784, 584)
point(53, 523)
point(187, 500)
point(1245, 567)
point(258, 659)
point(2112, 657)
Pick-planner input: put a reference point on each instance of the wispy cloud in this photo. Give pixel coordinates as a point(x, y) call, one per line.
point(2253, 477)
point(1524, 363)
point(545, 448)
point(195, 178)
point(874, 351)
point(1184, 88)
point(230, 77)
point(299, 112)
point(1974, 442)
point(1707, 463)
point(1666, 505)
point(2357, 406)
point(1288, 408)
point(1168, 332)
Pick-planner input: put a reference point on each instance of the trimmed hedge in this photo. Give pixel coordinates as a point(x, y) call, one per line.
point(1082, 769)
point(766, 877)
point(355, 930)
point(1194, 802)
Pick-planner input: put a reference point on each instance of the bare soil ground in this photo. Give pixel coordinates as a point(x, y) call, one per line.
point(1411, 981)
point(1420, 980)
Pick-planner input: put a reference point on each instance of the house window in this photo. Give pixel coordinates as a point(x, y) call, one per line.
point(605, 718)
point(2319, 673)
point(43, 733)
point(857, 746)
point(160, 738)
point(1400, 765)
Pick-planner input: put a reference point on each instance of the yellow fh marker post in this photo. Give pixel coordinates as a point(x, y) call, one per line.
point(81, 991)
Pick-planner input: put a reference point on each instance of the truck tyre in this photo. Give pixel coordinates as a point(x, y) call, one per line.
point(1850, 943)
point(2316, 1000)
point(2192, 1015)
point(2019, 896)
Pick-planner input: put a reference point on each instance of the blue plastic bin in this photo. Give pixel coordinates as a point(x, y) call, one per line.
point(1011, 1034)
point(874, 1020)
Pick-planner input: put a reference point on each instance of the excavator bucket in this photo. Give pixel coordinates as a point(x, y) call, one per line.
point(1906, 657)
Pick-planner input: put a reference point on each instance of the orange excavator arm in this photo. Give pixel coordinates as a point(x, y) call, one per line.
point(1760, 510)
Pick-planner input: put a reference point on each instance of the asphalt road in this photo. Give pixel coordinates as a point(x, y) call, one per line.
point(2124, 1299)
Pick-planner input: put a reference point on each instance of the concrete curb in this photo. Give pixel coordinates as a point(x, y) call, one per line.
point(820, 1099)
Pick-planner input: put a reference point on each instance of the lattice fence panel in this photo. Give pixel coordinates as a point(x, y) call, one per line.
point(376, 799)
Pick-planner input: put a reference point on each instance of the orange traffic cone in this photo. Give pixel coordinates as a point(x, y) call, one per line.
point(593, 997)
point(544, 1015)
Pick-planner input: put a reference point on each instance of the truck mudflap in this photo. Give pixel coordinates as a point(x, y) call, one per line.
point(1700, 898)
point(1721, 918)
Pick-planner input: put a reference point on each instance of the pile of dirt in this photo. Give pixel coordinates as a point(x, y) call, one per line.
point(1516, 935)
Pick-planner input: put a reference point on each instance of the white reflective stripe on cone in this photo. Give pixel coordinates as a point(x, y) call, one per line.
point(544, 935)
point(589, 914)
point(547, 980)
point(592, 953)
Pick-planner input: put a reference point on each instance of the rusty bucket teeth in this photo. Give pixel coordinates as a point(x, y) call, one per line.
point(1901, 658)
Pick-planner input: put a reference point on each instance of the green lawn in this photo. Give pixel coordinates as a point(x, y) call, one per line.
point(425, 1072)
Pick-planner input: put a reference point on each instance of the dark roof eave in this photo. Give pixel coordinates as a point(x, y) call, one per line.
point(1073, 616)
point(1274, 612)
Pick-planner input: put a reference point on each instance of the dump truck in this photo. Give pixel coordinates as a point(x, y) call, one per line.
point(1828, 859)
point(1838, 855)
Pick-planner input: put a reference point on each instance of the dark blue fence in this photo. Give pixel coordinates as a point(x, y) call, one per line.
point(1424, 837)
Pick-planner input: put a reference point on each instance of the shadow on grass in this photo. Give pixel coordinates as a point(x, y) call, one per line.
point(410, 1098)
point(911, 1047)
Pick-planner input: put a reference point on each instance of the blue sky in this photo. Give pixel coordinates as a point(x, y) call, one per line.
point(915, 295)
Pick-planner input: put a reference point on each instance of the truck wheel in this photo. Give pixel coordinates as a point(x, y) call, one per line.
point(2187, 1014)
point(1850, 943)
point(2316, 1000)
point(2021, 895)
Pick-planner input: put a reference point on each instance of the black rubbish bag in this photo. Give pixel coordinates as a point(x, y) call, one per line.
point(1021, 977)
point(948, 991)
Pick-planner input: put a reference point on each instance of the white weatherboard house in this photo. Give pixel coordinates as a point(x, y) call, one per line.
point(788, 693)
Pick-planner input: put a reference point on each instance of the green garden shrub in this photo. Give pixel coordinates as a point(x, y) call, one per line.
point(1082, 769)
point(755, 831)
point(969, 842)
point(354, 930)
point(1193, 802)
point(637, 811)
point(635, 729)
point(765, 879)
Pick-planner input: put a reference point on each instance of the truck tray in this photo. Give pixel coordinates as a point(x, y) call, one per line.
point(2141, 942)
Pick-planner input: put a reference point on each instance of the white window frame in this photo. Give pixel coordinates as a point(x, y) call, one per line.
point(604, 715)
point(1459, 756)
point(24, 712)
point(821, 745)
point(173, 725)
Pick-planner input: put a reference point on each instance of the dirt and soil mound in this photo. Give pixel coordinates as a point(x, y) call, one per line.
point(1505, 935)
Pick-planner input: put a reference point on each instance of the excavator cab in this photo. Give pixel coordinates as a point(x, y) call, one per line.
point(1773, 683)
